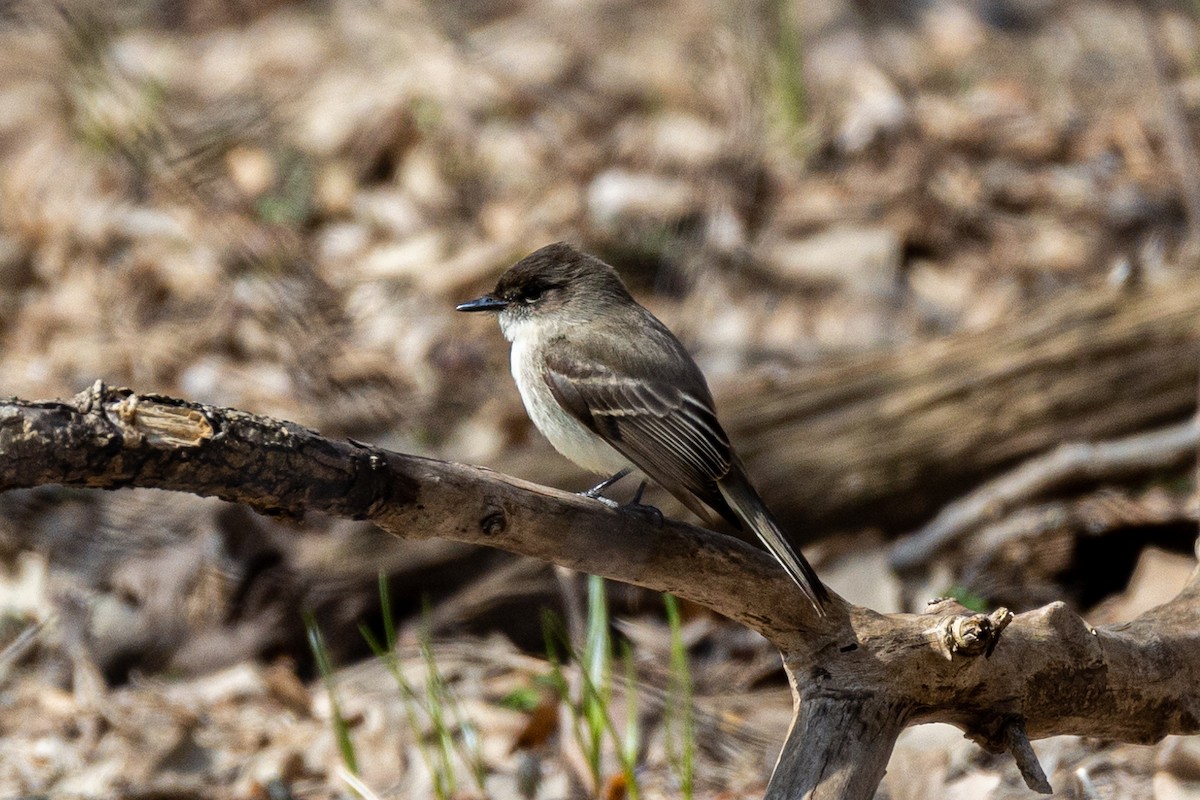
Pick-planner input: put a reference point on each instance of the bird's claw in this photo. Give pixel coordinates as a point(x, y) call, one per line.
point(651, 513)
point(644, 509)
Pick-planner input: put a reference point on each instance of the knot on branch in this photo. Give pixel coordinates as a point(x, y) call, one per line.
point(494, 521)
point(970, 635)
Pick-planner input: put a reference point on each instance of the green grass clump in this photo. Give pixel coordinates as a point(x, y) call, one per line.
point(591, 720)
point(446, 737)
point(438, 704)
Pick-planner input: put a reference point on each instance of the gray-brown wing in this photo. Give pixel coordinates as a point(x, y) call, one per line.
point(671, 435)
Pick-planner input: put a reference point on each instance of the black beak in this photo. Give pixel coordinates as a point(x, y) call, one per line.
point(486, 303)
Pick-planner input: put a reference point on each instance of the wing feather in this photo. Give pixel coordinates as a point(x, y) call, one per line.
point(671, 435)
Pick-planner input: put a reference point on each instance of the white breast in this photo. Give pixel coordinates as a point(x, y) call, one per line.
point(568, 436)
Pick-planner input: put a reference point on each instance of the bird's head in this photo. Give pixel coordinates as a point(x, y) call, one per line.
point(555, 284)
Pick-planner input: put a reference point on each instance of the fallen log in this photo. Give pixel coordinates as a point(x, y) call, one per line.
point(886, 440)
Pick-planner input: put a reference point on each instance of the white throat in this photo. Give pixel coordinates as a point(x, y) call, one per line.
point(516, 327)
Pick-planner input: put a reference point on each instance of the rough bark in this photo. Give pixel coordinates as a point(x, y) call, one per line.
point(860, 676)
point(888, 439)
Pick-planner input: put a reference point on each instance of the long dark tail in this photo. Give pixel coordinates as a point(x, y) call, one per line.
point(749, 507)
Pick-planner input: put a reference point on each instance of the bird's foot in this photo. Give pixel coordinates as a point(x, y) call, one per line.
point(596, 492)
point(636, 506)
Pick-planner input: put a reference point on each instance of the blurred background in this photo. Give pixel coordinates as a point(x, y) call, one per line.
point(914, 244)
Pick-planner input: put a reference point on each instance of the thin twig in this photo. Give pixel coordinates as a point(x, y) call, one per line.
point(19, 646)
point(1069, 463)
point(1026, 758)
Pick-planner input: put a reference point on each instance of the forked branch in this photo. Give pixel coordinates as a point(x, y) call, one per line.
point(860, 676)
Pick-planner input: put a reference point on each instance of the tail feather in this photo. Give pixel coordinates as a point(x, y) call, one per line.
point(749, 507)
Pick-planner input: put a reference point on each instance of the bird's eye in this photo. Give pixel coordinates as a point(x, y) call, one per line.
point(533, 294)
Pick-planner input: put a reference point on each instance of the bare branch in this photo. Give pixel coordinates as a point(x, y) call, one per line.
point(111, 438)
point(838, 747)
point(1027, 760)
point(1144, 452)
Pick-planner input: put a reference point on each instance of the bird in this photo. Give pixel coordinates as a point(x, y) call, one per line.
point(616, 392)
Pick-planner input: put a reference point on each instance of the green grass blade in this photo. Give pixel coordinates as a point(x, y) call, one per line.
point(629, 747)
point(790, 92)
point(385, 605)
point(680, 717)
point(597, 672)
point(341, 730)
point(554, 633)
point(409, 700)
point(435, 707)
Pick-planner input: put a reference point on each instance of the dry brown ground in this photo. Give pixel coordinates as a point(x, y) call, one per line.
point(275, 206)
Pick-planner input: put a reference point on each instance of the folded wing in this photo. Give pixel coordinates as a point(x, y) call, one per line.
point(671, 435)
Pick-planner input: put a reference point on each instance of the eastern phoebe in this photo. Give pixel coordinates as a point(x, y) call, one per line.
point(614, 390)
